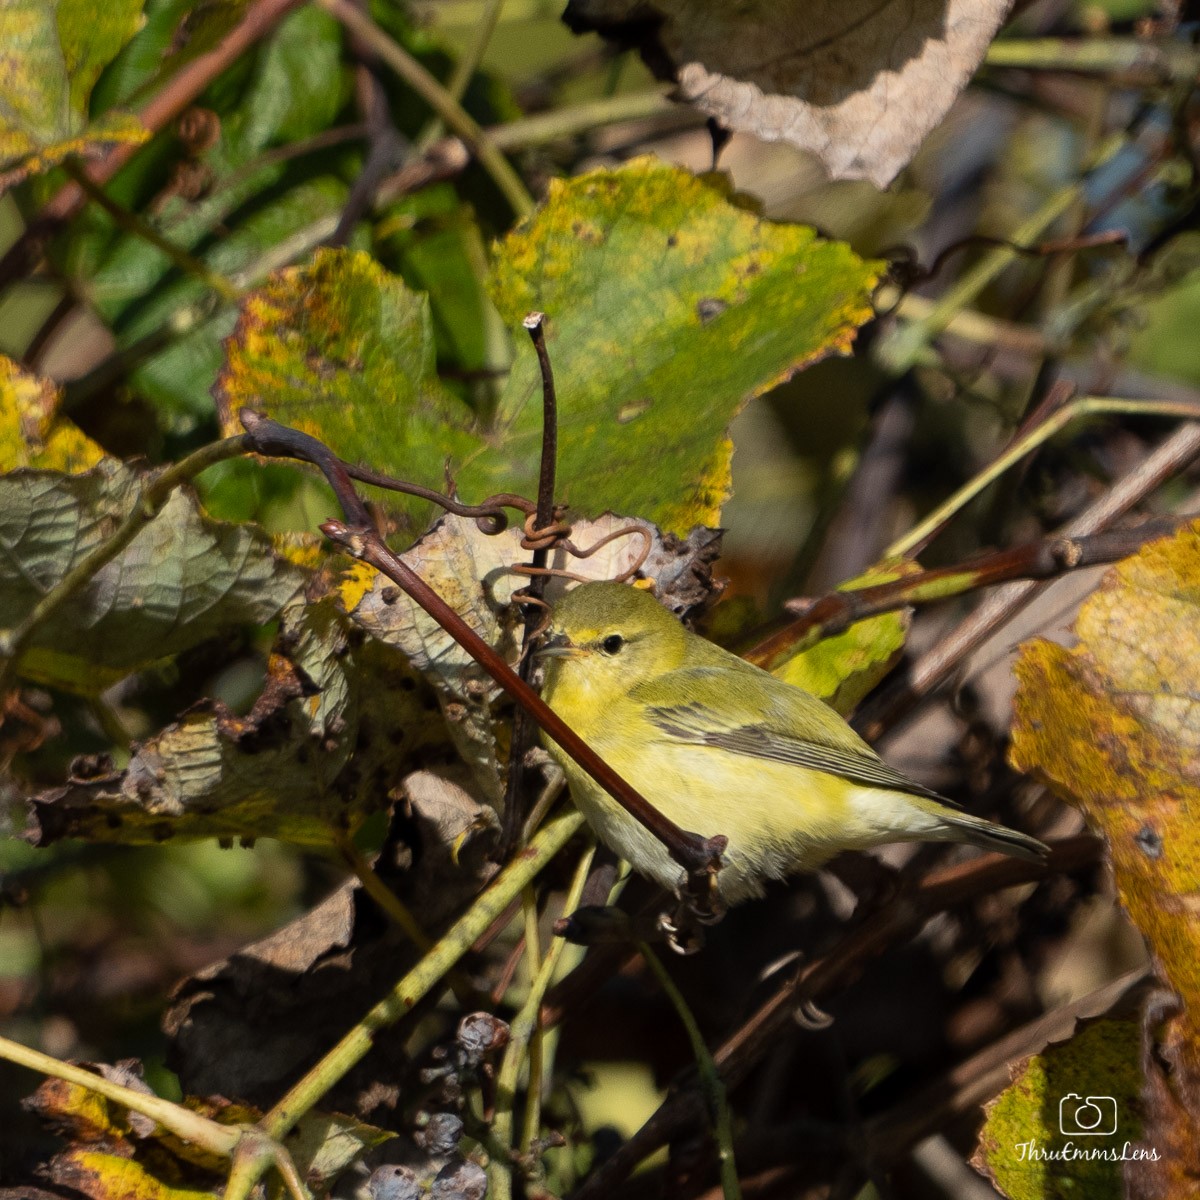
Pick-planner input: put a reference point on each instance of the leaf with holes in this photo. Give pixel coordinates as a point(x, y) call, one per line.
point(1113, 726)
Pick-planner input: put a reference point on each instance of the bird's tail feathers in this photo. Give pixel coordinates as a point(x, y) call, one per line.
point(987, 835)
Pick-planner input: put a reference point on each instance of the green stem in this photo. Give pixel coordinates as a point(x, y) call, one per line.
point(1085, 406)
point(524, 1034)
point(900, 350)
point(439, 99)
point(710, 1077)
point(464, 69)
point(131, 223)
point(199, 1130)
point(429, 972)
point(1175, 62)
point(154, 495)
point(579, 118)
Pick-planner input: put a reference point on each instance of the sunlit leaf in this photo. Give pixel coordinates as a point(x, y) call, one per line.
point(843, 668)
point(182, 579)
point(1113, 726)
point(343, 350)
point(31, 432)
point(50, 58)
point(1056, 1104)
point(670, 307)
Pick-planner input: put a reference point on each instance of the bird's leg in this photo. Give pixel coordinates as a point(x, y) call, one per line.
point(681, 931)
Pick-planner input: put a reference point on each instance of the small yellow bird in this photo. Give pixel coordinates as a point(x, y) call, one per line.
point(720, 746)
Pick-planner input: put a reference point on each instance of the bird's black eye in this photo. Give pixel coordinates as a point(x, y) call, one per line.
point(612, 644)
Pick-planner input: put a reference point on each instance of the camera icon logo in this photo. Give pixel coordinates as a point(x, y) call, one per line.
point(1087, 1115)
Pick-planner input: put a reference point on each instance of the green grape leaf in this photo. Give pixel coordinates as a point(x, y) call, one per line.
point(670, 306)
point(50, 58)
point(181, 580)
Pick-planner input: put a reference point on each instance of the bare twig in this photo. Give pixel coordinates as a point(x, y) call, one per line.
point(544, 519)
point(464, 70)
point(1025, 443)
point(1050, 558)
point(900, 349)
point(715, 1093)
point(942, 659)
point(386, 145)
point(524, 1031)
point(438, 98)
point(135, 225)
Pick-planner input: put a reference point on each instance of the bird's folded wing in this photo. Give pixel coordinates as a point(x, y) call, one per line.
point(790, 727)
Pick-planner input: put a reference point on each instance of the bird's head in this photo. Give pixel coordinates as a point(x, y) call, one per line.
point(609, 637)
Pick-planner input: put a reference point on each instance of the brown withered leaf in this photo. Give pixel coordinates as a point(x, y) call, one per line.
point(331, 734)
point(859, 83)
point(1113, 726)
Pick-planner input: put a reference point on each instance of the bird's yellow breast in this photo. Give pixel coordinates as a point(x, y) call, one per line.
point(778, 818)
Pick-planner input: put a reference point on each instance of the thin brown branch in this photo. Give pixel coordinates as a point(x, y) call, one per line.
point(387, 146)
point(513, 817)
point(1050, 558)
point(895, 923)
point(942, 659)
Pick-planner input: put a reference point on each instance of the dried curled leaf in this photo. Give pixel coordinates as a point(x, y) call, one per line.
point(321, 749)
point(181, 580)
point(50, 58)
point(1113, 726)
point(859, 83)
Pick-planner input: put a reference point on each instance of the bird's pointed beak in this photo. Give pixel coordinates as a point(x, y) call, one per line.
point(556, 645)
